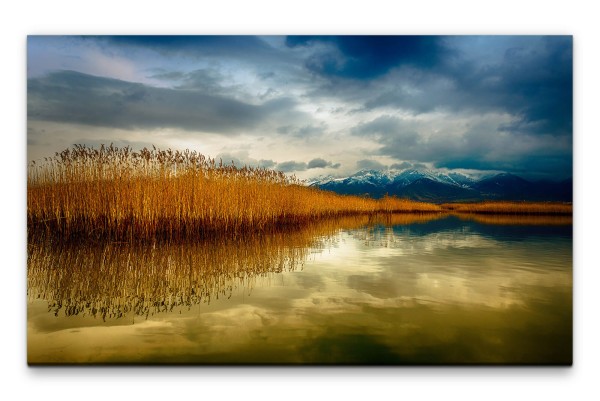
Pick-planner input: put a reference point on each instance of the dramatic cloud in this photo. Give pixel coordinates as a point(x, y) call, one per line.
point(72, 97)
point(401, 166)
point(299, 103)
point(366, 57)
point(322, 163)
point(291, 166)
point(388, 129)
point(533, 84)
point(242, 158)
point(318, 163)
point(266, 163)
point(204, 80)
point(196, 46)
point(303, 131)
point(477, 142)
point(367, 164)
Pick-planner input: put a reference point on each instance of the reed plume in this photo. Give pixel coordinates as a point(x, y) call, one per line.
point(119, 194)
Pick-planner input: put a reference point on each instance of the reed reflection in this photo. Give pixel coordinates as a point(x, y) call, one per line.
point(112, 280)
point(389, 289)
point(518, 220)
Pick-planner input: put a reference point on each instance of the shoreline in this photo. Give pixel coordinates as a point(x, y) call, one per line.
point(349, 220)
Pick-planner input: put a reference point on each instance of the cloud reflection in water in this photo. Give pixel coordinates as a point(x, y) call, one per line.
point(437, 291)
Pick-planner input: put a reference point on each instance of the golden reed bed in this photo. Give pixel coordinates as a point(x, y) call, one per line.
point(118, 194)
point(507, 207)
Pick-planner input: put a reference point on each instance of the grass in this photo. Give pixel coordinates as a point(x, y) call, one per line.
point(121, 195)
point(506, 207)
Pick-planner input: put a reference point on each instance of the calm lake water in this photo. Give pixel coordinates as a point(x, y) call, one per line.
point(406, 290)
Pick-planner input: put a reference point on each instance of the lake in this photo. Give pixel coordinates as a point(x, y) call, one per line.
point(424, 289)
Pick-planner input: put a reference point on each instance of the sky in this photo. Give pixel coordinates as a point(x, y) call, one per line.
point(312, 105)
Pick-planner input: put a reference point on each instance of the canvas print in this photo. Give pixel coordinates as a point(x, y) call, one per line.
point(300, 200)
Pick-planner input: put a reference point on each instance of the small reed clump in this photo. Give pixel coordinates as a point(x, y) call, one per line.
point(508, 207)
point(119, 194)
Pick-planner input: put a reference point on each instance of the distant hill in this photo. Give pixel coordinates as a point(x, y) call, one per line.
point(434, 186)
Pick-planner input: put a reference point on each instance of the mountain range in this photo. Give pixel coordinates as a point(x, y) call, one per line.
point(438, 187)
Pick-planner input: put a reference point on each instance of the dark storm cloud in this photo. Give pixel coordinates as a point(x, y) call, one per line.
point(406, 165)
point(205, 80)
point(318, 163)
point(391, 132)
point(73, 97)
point(303, 131)
point(533, 83)
point(367, 57)
point(547, 165)
point(401, 166)
point(478, 102)
point(367, 164)
point(322, 163)
point(479, 147)
point(291, 166)
point(384, 125)
point(529, 78)
point(249, 47)
point(266, 163)
point(539, 83)
point(528, 81)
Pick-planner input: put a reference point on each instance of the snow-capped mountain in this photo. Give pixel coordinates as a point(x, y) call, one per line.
point(397, 177)
point(407, 177)
point(440, 186)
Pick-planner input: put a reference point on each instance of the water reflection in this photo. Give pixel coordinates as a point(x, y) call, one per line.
point(518, 220)
point(110, 280)
point(412, 289)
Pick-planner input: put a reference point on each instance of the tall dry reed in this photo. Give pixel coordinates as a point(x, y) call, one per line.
point(508, 207)
point(120, 194)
